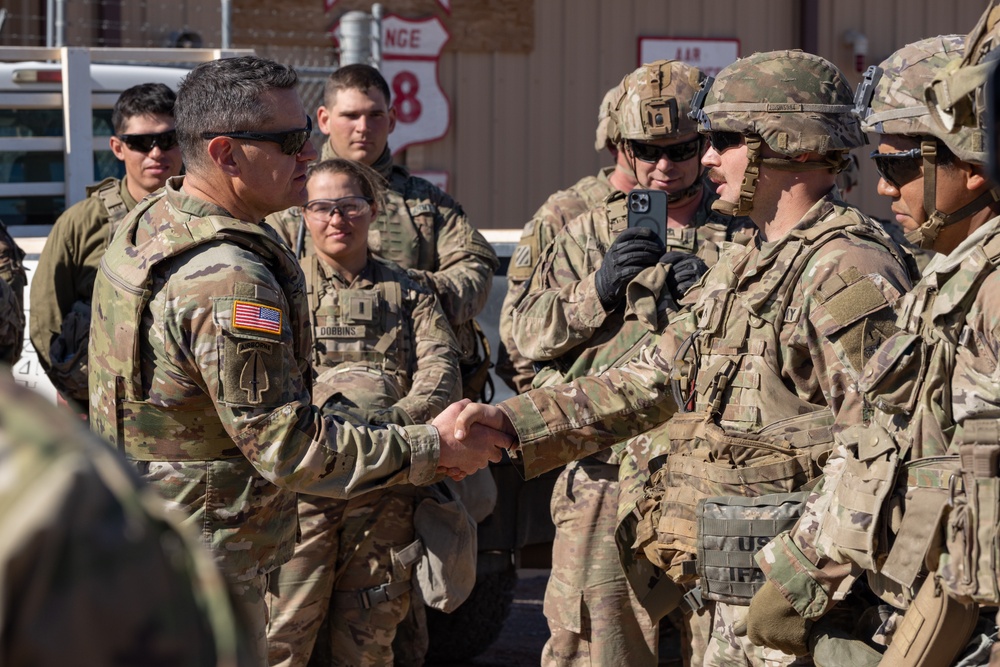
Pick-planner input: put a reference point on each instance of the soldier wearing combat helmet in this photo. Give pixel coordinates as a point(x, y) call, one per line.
point(926, 446)
point(913, 150)
point(561, 207)
point(574, 320)
point(763, 353)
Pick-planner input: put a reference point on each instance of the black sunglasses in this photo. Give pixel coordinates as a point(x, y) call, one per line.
point(723, 141)
point(143, 143)
point(291, 141)
point(675, 153)
point(898, 169)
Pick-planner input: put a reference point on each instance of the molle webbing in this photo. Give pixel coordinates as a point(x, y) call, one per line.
point(731, 530)
point(109, 192)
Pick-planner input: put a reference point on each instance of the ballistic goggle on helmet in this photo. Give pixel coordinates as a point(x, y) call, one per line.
point(890, 100)
point(793, 101)
point(654, 100)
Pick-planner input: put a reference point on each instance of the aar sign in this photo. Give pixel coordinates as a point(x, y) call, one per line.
point(708, 55)
point(410, 53)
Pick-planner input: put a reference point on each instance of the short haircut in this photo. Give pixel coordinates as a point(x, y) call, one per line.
point(370, 181)
point(145, 99)
point(224, 96)
point(355, 77)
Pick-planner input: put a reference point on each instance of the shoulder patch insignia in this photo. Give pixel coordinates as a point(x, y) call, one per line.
point(256, 317)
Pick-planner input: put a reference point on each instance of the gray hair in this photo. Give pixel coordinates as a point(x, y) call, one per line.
point(224, 96)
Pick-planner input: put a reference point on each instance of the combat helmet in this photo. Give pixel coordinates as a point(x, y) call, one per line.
point(793, 101)
point(957, 96)
point(890, 100)
point(652, 104)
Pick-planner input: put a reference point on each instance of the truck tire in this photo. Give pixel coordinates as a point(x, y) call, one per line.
point(477, 623)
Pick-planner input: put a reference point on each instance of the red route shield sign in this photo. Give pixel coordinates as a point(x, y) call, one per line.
point(410, 53)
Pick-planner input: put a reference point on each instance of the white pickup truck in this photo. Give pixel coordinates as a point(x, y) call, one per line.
point(55, 120)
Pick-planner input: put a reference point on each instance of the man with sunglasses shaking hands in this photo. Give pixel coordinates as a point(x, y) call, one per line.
point(201, 345)
point(146, 142)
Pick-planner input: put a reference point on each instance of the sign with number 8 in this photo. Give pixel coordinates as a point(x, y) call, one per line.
point(411, 50)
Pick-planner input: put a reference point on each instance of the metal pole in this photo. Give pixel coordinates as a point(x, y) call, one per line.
point(354, 34)
point(60, 32)
point(227, 20)
point(377, 35)
point(49, 27)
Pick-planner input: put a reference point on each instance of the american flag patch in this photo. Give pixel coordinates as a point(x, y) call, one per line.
point(256, 317)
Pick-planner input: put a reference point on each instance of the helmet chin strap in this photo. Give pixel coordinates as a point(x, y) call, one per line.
point(744, 204)
point(833, 162)
point(926, 234)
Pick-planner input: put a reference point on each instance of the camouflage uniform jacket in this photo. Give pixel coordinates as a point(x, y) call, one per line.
point(816, 360)
point(200, 348)
point(386, 340)
point(560, 313)
point(957, 305)
point(12, 282)
point(67, 268)
point(545, 224)
point(87, 547)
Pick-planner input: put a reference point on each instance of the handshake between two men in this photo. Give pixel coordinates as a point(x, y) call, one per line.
point(472, 435)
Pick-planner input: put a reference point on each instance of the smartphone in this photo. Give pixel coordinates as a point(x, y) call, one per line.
point(648, 208)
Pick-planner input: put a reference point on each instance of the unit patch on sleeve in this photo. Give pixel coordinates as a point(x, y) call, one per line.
point(256, 317)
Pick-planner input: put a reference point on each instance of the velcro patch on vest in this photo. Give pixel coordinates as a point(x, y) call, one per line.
point(341, 331)
point(850, 296)
point(361, 307)
point(256, 317)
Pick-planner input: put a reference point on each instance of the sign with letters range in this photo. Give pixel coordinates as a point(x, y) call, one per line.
point(411, 50)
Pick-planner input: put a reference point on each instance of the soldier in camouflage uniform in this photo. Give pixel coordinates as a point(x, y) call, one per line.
point(564, 324)
point(146, 142)
point(515, 369)
point(422, 229)
point(201, 349)
point(770, 345)
point(94, 570)
point(12, 281)
point(930, 394)
point(384, 354)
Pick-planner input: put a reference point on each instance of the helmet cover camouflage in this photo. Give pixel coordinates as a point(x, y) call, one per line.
point(956, 96)
point(607, 130)
point(654, 101)
point(796, 102)
point(890, 100)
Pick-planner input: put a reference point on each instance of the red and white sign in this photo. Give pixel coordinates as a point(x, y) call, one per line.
point(410, 53)
point(708, 55)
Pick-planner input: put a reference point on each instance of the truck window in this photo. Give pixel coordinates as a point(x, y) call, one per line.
point(45, 166)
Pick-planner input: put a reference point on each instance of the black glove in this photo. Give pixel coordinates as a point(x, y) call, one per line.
point(634, 250)
point(685, 270)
